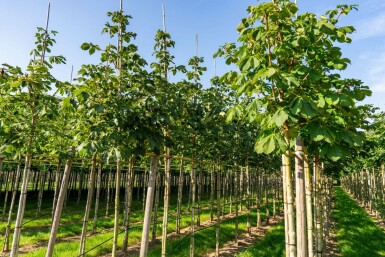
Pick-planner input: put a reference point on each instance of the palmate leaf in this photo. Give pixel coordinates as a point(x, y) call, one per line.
point(270, 143)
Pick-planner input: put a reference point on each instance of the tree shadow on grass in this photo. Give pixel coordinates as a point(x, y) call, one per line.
point(271, 245)
point(357, 234)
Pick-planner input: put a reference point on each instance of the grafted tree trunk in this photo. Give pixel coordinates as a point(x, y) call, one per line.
point(91, 185)
point(59, 204)
point(149, 201)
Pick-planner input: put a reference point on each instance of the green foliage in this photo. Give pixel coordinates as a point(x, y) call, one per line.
point(289, 65)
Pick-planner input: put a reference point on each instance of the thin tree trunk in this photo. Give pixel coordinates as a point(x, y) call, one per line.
point(199, 194)
point(289, 199)
point(9, 221)
point(218, 224)
point(212, 181)
point(59, 204)
point(149, 201)
point(248, 197)
point(236, 190)
point(128, 203)
point(318, 208)
point(309, 212)
point(57, 187)
point(300, 200)
point(98, 188)
point(167, 164)
point(156, 205)
point(117, 202)
point(8, 182)
point(193, 185)
point(21, 208)
point(180, 192)
point(91, 186)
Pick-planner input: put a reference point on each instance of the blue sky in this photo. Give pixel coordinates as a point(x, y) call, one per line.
point(214, 20)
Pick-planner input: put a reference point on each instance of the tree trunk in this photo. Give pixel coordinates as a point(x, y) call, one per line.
point(8, 181)
point(180, 191)
point(167, 166)
point(318, 208)
point(117, 202)
point(156, 205)
point(14, 192)
point(128, 203)
point(218, 224)
point(91, 186)
point(193, 185)
point(200, 181)
point(309, 212)
point(98, 188)
point(57, 187)
point(59, 204)
point(300, 199)
point(248, 197)
point(149, 201)
point(20, 211)
point(288, 181)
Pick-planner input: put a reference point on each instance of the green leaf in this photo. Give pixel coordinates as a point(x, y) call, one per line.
point(85, 46)
point(279, 117)
point(265, 145)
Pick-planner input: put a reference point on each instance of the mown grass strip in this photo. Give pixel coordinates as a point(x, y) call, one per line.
point(271, 245)
point(357, 234)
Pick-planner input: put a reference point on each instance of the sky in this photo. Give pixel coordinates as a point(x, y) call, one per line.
point(215, 21)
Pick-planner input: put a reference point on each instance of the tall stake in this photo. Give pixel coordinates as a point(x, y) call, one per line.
point(167, 160)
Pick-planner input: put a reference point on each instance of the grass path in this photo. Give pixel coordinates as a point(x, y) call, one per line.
point(357, 234)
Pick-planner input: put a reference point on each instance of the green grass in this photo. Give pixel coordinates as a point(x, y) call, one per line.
point(271, 245)
point(205, 238)
point(36, 229)
point(357, 234)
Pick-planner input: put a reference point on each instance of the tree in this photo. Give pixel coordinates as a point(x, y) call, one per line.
point(288, 63)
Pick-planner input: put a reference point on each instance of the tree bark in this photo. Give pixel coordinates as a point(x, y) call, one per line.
point(91, 185)
point(14, 192)
point(300, 199)
point(117, 202)
point(148, 209)
point(167, 166)
point(59, 204)
point(21, 208)
point(98, 188)
point(309, 212)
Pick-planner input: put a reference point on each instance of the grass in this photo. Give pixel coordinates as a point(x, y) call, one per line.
point(205, 238)
point(36, 229)
point(357, 234)
point(271, 245)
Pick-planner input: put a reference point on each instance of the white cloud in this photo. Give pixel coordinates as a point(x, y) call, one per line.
point(372, 27)
point(379, 88)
